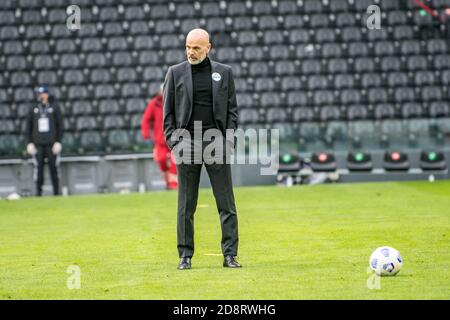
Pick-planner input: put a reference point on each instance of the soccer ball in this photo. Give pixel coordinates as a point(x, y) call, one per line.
point(386, 261)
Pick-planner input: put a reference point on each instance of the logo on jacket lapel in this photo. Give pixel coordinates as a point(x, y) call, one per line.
point(216, 76)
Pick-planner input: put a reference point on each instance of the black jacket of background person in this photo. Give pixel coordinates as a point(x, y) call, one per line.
point(55, 132)
point(178, 99)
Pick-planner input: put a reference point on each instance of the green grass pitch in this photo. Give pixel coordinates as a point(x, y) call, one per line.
point(305, 242)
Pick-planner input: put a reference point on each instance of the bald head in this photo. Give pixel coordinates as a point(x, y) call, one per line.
point(197, 45)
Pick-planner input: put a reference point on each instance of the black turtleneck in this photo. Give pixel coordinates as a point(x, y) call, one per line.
point(202, 95)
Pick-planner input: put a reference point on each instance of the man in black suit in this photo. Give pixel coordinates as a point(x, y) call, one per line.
point(200, 89)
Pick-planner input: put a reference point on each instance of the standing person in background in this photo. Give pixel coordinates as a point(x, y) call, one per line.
point(43, 134)
point(152, 129)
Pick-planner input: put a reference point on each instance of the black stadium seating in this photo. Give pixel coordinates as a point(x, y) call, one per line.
point(310, 68)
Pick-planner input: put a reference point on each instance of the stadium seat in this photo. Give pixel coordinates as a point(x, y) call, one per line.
point(211, 9)
point(264, 84)
point(398, 79)
point(411, 110)
point(247, 38)
point(391, 64)
point(345, 19)
point(357, 112)
point(268, 22)
point(143, 42)
point(70, 143)
point(122, 58)
point(285, 68)
point(350, 96)
point(102, 75)
point(403, 32)
point(24, 94)
point(104, 91)
point(10, 146)
point(370, 80)
point(417, 63)
point(290, 83)
point(323, 97)
point(19, 63)
point(384, 111)
point(273, 37)
point(397, 18)
point(114, 122)
point(71, 61)
point(92, 60)
point(236, 9)
point(118, 140)
point(258, 69)
point(423, 78)
point(364, 134)
point(293, 21)
point(91, 141)
point(134, 105)
point(439, 109)
point(393, 134)
point(376, 95)
point(83, 107)
point(446, 77)
point(249, 116)
point(297, 99)
point(86, 123)
point(299, 36)
point(134, 13)
point(338, 65)
point(303, 114)
point(109, 106)
point(274, 115)
point(344, 81)
point(19, 79)
point(160, 12)
point(117, 44)
point(279, 52)
point(270, 99)
point(432, 93)
point(404, 94)
point(410, 47)
point(350, 34)
point(131, 90)
point(148, 58)
point(78, 92)
point(16, 47)
point(329, 113)
point(311, 67)
point(364, 64)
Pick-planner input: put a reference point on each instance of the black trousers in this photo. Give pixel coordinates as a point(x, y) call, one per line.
point(45, 152)
point(188, 185)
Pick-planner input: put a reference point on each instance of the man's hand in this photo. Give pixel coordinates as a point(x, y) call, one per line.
point(56, 148)
point(31, 149)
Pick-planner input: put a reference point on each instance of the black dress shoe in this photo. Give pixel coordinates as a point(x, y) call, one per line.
point(230, 262)
point(185, 263)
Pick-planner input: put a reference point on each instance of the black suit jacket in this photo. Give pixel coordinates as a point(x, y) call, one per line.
point(178, 99)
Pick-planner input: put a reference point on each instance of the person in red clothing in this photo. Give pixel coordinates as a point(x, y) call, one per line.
point(152, 129)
